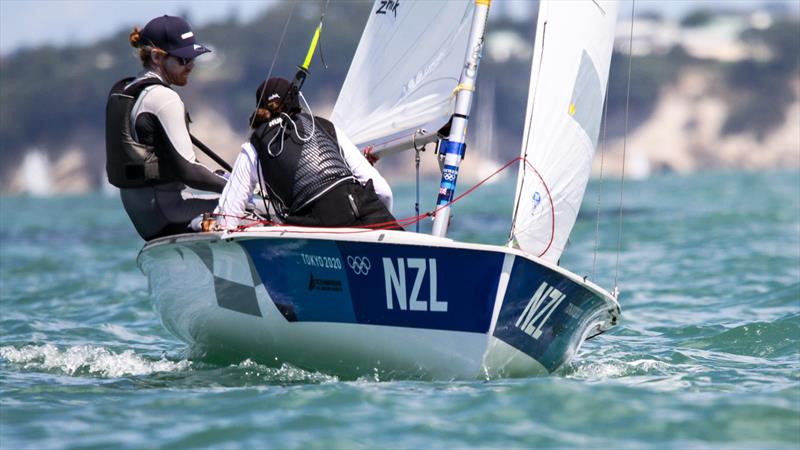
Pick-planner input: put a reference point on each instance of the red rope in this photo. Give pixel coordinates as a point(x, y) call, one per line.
point(552, 207)
point(412, 219)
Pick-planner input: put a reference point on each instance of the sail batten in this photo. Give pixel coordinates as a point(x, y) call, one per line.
point(569, 75)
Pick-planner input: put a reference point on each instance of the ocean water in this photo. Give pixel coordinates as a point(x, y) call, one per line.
point(707, 354)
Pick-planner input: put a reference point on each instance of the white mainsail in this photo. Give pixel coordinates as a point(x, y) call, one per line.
point(405, 70)
point(569, 74)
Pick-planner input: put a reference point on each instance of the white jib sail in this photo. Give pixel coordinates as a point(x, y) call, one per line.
point(569, 74)
point(405, 70)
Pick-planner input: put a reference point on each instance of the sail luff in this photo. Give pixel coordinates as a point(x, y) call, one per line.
point(569, 74)
point(536, 63)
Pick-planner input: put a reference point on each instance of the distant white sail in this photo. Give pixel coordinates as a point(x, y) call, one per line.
point(405, 70)
point(34, 175)
point(569, 74)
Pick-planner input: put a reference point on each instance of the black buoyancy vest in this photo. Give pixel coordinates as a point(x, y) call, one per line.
point(130, 164)
point(297, 173)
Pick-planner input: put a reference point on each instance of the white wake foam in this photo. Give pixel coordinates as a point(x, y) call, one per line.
point(85, 359)
point(286, 373)
point(597, 371)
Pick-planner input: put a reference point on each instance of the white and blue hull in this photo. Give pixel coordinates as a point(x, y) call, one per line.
point(361, 302)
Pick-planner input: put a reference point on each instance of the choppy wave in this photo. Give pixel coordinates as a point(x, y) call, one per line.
point(706, 354)
point(758, 339)
point(93, 361)
point(285, 374)
point(609, 369)
point(87, 360)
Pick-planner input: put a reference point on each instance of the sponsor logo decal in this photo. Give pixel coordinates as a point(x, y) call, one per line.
point(539, 308)
point(360, 265)
point(187, 35)
point(323, 262)
point(394, 273)
point(322, 284)
point(387, 6)
point(573, 311)
point(537, 199)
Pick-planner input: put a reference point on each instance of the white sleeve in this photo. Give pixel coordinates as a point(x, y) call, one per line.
point(233, 200)
point(363, 170)
point(172, 114)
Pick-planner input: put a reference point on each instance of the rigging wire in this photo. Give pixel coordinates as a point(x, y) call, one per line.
point(624, 149)
point(600, 187)
point(275, 56)
point(521, 181)
point(304, 70)
point(404, 222)
point(416, 201)
point(265, 197)
point(264, 192)
point(321, 20)
point(416, 168)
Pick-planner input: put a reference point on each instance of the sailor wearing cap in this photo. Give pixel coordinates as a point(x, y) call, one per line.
point(149, 151)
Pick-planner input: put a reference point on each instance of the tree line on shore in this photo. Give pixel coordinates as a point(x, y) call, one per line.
point(54, 97)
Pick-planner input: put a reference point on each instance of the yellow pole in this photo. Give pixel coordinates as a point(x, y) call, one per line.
point(311, 48)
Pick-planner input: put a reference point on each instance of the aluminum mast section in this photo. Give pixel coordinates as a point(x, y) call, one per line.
point(454, 146)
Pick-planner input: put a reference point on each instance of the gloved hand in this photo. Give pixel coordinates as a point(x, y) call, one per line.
point(209, 224)
point(370, 157)
point(223, 174)
point(205, 222)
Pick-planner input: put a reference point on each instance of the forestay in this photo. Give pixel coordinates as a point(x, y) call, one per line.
point(567, 88)
point(405, 70)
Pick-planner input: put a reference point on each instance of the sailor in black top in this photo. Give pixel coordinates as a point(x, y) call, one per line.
point(149, 152)
point(312, 174)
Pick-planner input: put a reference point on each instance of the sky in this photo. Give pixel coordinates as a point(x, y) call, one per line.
point(30, 23)
point(26, 23)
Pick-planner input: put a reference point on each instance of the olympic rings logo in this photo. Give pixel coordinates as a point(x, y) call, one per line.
point(360, 265)
point(449, 175)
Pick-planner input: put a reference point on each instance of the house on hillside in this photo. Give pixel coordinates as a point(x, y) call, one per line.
point(701, 34)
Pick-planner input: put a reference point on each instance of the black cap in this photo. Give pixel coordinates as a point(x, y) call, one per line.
point(272, 89)
point(279, 89)
point(173, 35)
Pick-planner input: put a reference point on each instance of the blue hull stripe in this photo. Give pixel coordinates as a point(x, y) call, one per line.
point(424, 287)
point(546, 326)
point(379, 284)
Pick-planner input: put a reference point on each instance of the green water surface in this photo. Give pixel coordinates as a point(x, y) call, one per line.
point(707, 354)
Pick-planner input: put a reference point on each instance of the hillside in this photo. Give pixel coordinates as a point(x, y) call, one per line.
point(687, 110)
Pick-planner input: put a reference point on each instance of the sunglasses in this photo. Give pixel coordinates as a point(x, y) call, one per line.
point(181, 60)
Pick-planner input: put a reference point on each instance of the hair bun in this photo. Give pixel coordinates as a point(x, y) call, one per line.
point(135, 37)
point(259, 116)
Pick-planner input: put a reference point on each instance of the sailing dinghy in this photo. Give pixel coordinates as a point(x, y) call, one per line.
point(354, 302)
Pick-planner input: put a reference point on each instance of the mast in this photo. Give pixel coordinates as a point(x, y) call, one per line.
point(454, 147)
